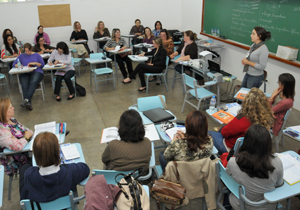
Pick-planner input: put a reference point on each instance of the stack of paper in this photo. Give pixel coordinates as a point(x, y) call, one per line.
point(69, 151)
point(172, 131)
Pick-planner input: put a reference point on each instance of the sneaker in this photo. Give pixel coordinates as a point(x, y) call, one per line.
point(28, 106)
point(24, 102)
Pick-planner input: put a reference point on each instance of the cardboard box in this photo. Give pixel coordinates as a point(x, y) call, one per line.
point(286, 52)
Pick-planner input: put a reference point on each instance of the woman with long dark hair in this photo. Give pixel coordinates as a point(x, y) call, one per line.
point(192, 145)
point(282, 99)
point(9, 32)
point(41, 47)
point(256, 168)
point(9, 48)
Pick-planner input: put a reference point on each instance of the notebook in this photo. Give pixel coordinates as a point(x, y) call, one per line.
point(158, 115)
point(291, 168)
point(223, 116)
point(215, 68)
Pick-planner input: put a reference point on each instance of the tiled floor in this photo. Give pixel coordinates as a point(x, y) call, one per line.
point(87, 116)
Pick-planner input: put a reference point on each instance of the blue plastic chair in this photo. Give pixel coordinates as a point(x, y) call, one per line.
point(162, 74)
point(1, 184)
point(238, 144)
point(77, 63)
point(67, 202)
point(199, 92)
point(3, 77)
point(101, 71)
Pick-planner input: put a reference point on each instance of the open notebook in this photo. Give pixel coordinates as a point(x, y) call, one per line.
point(291, 168)
point(44, 127)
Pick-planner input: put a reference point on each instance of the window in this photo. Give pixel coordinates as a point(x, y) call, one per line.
point(17, 1)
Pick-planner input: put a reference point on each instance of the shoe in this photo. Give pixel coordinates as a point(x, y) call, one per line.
point(158, 83)
point(28, 106)
point(141, 90)
point(23, 104)
point(152, 79)
point(58, 99)
point(126, 82)
point(70, 98)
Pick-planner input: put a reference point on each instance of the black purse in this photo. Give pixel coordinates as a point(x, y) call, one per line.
point(80, 90)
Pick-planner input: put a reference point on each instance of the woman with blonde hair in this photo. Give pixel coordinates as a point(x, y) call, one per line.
point(255, 110)
point(100, 32)
point(14, 136)
point(79, 34)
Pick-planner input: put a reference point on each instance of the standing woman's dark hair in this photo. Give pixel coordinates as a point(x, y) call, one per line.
point(191, 34)
point(156, 24)
point(7, 47)
point(63, 46)
point(288, 82)
point(131, 127)
point(262, 33)
point(39, 27)
point(254, 156)
point(196, 130)
point(5, 31)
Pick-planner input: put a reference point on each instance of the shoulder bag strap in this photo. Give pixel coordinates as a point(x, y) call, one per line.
point(163, 102)
point(177, 174)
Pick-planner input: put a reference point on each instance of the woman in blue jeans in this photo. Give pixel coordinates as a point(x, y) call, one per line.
point(256, 60)
point(30, 80)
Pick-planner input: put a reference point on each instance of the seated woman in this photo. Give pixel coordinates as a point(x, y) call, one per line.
point(29, 81)
point(9, 48)
point(255, 110)
point(193, 145)
point(62, 55)
point(148, 36)
point(9, 32)
point(41, 33)
point(187, 50)
point(133, 151)
point(14, 136)
point(115, 41)
point(100, 32)
point(41, 47)
point(256, 168)
point(168, 43)
point(55, 178)
point(157, 28)
point(282, 99)
point(157, 65)
point(79, 34)
point(136, 30)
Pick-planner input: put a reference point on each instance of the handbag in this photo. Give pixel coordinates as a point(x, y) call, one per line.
point(80, 90)
point(168, 192)
point(133, 196)
point(122, 55)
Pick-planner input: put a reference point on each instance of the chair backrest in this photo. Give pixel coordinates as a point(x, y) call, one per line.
point(152, 102)
point(65, 202)
point(72, 60)
point(238, 144)
point(96, 55)
point(1, 183)
point(189, 81)
point(286, 117)
point(109, 175)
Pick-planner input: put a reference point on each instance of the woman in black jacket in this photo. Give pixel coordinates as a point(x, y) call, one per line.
point(157, 64)
point(79, 34)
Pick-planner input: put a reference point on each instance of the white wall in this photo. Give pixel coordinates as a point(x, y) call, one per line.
point(22, 18)
point(232, 56)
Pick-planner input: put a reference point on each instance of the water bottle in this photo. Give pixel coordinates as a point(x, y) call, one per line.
point(212, 31)
point(218, 33)
point(19, 64)
point(215, 32)
point(212, 104)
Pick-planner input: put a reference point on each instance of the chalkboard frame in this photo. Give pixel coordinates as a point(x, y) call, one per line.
point(271, 55)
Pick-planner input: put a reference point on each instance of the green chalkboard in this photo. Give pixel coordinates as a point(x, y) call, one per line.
point(237, 18)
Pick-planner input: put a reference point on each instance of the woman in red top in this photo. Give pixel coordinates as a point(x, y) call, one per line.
point(255, 110)
point(282, 99)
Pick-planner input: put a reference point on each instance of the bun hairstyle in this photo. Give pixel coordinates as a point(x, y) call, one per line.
point(262, 33)
point(191, 34)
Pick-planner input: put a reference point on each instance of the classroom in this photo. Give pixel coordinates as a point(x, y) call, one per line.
point(87, 116)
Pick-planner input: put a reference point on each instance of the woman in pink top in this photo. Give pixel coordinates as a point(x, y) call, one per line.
point(41, 32)
point(282, 99)
point(14, 136)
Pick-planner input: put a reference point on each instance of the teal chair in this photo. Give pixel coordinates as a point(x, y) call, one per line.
point(100, 71)
point(159, 75)
point(77, 63)
point(67, 202)
point(1, 184)
point(238, 144)
point(197, 91)
point(3, 77)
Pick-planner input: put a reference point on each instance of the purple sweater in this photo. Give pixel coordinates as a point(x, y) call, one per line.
point(25, 59)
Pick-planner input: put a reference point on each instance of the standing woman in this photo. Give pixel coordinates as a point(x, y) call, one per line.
point(256, 168)
point(157, 65)
point(282, 99)
point(157, 28)
point(9, 48)
point(79, 34)
point(40, 46)
point(168, 43)
point(256, 59)
point(30, 80)
point(9, 32)
point(41, 32)
point(116, 40)
point(148, 36)
point(100, 32)
point(62, 55)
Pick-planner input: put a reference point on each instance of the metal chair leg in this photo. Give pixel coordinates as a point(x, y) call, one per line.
point(9, 187)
